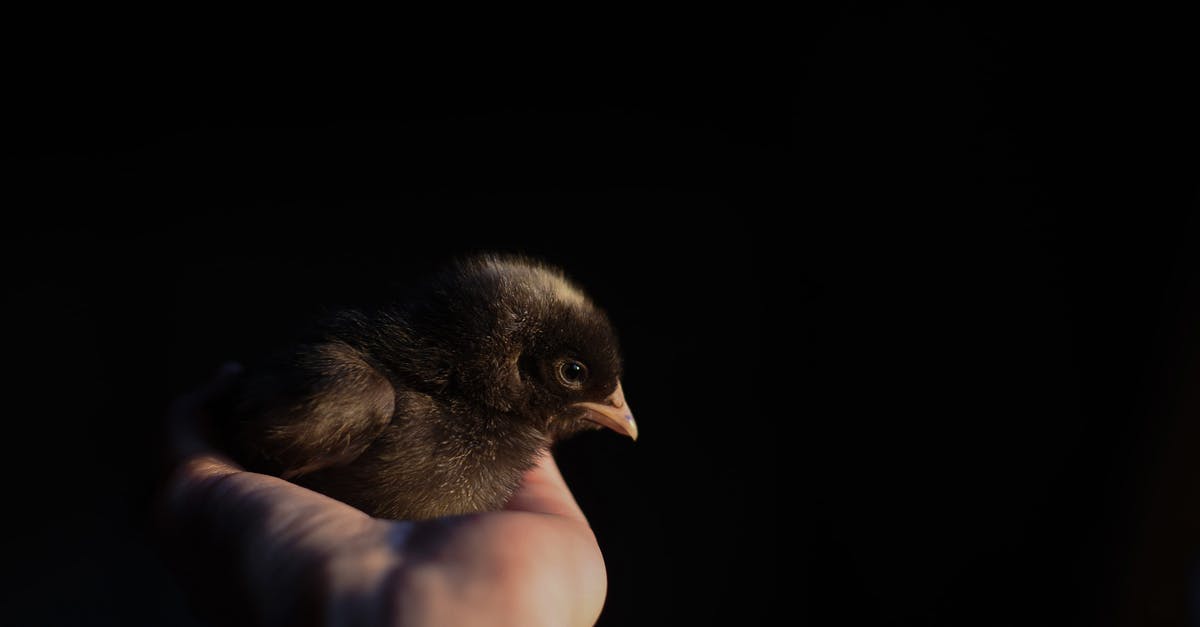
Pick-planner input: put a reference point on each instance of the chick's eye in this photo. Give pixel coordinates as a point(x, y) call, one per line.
point(572, 373)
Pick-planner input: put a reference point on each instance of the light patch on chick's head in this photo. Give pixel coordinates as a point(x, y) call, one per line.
point(534, 277)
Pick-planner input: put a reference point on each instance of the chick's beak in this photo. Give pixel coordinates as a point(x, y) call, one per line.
point(613, 413)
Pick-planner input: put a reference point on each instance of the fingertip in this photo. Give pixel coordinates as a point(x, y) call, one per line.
point(220, 382)
point(187, 424)
point(222, 379)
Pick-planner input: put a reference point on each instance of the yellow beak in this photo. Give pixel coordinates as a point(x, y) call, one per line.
point(613, 413)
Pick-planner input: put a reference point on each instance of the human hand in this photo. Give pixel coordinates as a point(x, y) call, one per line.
point(255, 549)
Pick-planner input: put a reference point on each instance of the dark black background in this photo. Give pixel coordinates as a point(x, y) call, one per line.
point(1001, 240)
point(912, 292)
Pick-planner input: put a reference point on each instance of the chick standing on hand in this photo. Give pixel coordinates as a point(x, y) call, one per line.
point(437, 405)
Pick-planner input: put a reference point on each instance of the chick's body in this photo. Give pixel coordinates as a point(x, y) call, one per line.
point(436, 405)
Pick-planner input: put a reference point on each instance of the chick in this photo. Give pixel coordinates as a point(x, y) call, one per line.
point(436, 405)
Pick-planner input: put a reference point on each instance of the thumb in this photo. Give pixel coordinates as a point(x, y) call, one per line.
point(544, 491)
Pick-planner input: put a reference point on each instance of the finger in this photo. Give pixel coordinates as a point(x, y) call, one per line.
point(185, 429)
point(543, 490)
point(211, 486)
point(254, 545)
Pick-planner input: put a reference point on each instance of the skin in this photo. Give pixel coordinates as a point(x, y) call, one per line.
point(255, 549)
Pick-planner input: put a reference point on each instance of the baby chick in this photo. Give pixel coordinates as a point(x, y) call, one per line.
point(436, 405)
